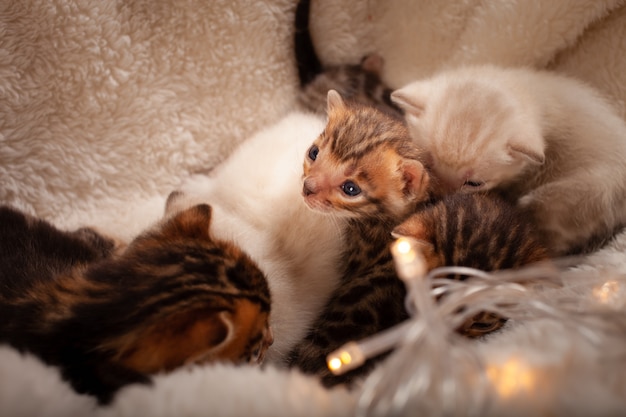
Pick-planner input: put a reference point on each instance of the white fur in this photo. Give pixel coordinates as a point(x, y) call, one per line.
point(30, 388)
point(417, 38)
point(228, 391)
point(106, 106)
point(551, 138)
point(256, 195)
point(217, 390)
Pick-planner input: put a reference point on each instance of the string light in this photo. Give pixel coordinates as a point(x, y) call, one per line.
point(435, 372)
point(513, 377)
point(610, 293)
point(409, 261)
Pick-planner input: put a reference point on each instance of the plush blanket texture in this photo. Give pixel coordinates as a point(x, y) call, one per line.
point(106, 104)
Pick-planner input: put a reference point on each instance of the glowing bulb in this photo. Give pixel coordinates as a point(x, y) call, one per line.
point(512, 377)
point(404, 249)
point(346, 358)
point(409, 261)
point(609, 293)
point(334, 364)
point(349, 356)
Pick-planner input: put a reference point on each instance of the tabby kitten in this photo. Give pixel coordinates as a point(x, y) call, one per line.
point(174, 296)
point(364, 164)
point(478, 230)
point(488, 232)
point(364, 171)
point(547, 141)
point(355, 82)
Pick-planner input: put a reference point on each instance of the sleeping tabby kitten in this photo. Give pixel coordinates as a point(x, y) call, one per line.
point(174, 296)
point(351, 172)
point(355, 82)
point(476, 223)
point(480, 230)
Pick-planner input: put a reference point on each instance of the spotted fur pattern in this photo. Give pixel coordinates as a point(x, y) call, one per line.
point(481, 231)
point(174, 296)
point(369, 299)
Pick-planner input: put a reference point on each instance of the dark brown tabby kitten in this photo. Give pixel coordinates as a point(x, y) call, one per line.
point(481, 231)
point(360, 82)
point(353, 172)
point(172, 297)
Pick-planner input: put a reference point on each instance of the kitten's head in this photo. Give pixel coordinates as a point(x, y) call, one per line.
point(199, 299)
point(363, 164)
point(476, 132)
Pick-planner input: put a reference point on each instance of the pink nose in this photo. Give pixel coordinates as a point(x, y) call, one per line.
point(308, 188)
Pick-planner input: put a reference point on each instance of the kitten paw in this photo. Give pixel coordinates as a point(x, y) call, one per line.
point(188, 193)
point(104, 244)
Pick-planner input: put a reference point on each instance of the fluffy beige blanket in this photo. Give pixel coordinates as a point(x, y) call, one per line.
point(106, 104)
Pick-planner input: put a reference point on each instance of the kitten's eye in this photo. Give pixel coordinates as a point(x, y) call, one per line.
point(350, 188)
point(313, 151)
point(255, 355)
point(473, 184)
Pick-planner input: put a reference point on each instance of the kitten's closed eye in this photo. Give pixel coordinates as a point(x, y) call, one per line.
point(473, 184)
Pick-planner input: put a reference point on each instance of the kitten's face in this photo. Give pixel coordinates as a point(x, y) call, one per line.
point(476, 135)
point(363, 164)
point(213, 301)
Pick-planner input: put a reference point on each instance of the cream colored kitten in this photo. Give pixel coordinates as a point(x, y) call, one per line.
point(257, 203)
point(547, 140)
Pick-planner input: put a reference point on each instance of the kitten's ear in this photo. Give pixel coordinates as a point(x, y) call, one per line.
point(532, 150)
point(412, 227)
point(180, 338)
point(373, 63)
point(416, 179)
point(334, 101)
point(192, 222)
point(415, 229)
point(410, 98)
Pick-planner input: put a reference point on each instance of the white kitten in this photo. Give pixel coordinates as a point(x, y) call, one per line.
point(544, 138)
point(257, 203)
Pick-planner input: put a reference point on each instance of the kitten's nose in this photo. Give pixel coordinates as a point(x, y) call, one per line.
point(307, 188)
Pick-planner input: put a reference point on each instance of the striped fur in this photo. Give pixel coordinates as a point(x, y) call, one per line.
point(369, 300)
point(373, 151)
point(359, 83)
point(172, 297)
point(370, 150)
point(479, 230)
point(365, 147)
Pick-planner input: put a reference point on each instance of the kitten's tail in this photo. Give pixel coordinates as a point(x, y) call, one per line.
point(307, 61)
